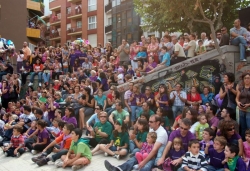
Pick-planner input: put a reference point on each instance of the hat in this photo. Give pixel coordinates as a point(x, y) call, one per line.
point(120, 70)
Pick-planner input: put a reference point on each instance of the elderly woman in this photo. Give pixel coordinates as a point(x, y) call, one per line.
point(93, 76)
point(206, 96)
point(228, 131)
point(58, 97)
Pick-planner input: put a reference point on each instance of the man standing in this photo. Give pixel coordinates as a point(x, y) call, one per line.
point(178, 97)
point(150, 160)
point(123, 52)
point(224, 37)
point(26, 52)
point(238, 38)
point(179, 54)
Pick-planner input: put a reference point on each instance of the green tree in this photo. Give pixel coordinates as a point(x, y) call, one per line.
point(192, 15)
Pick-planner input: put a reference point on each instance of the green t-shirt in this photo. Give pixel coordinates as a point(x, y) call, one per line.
point(43, 99)
point(200, 128)
point(142, 136)
point(121, 116)
point(150, 113)
point(81, 148)
point(166, 121)
point(121, 139)
point(106, 127)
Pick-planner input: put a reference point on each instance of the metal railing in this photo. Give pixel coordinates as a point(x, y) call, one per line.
point(74, 29)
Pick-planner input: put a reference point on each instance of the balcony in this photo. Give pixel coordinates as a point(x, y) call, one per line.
point(32, 32)
point(75, 14)
point(36, 7)
point(54, 35)
point(108, 29)
point(55, 20)
point(74, 30)
point(74, 1)
point(108, 7)
point(54, 5)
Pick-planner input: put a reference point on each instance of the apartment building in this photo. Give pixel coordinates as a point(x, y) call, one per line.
point(122, 22)
point(17, 21)
point(72, 19)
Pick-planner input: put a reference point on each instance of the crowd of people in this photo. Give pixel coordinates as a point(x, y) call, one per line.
point(79, 81)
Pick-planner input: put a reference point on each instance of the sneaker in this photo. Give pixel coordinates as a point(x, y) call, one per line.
point(106, 154)
point(30, 84)
point(131, 155)
point(26, 149)
point(42, 162)
point(110, 167)
point(59, 163)
point(6, 154)
point(40, 84)
point(76, 167)
point(136, 167)
point(18, 154)
point(33, 152)
point(36, 159)
point(248, 49)
point(243, 60)
point(117, 156)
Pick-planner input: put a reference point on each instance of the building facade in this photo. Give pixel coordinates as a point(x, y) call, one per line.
point(15, 21)
point(72, 19)
point(122, 22)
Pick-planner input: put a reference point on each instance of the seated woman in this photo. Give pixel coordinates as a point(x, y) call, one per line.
point(101, 99)
point(69, 116)
point(115, 98)
point(227, 130)
point(206, 96)
point(58, 97)
point(150, 65)
point(194, 98)
point(118, 146)
point(101, 131)
point(79, 153)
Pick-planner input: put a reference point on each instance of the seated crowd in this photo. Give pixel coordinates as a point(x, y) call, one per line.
point(204, 133)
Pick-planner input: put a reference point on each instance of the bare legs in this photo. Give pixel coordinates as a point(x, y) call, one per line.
point(81, 118)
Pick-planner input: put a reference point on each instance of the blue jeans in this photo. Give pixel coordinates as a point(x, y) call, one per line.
point(2, 73)
point(128, 165)
point(177, 109)
point(133, 112)
point(159, 154)
point(109, 110)
point(132, 147)
point(244, 121)
point(211, 168)
point(58, 155)
point(65, 71)
point(39, 76)
point(242, 43)
point(46, 77)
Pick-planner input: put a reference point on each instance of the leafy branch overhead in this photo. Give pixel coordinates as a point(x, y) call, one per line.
point(188, 15)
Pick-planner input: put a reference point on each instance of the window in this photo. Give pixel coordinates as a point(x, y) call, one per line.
point(68, 26)
point(93, 39)
point(109, 21)
point(92, 22)
point(79, 24)
point(92, 5)
point(68, 10)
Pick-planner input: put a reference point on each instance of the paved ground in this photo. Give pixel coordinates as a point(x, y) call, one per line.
point(24, 163)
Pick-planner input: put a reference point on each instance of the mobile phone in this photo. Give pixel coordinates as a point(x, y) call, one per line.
point(242, 105)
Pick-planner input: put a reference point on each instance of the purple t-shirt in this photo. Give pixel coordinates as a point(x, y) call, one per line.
point(71, 120)
point(51, 113)
point(164, 98)
point(27, 68)
point(216, 158)
point(151, 96)
point(176, 154)
point(233, 139)
point(93, 78)
point(154, 64)
point(131, 72)
point(185, 139)
point(72, 58)
point(104, 83)
point(203, 145)
point(42, 135)
point(136, 96)
point(213, 122)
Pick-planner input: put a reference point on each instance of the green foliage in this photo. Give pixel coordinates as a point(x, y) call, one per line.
point(188, 15)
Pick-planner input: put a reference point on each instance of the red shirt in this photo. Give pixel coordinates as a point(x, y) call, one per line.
point(16, 141)
point(195, 98)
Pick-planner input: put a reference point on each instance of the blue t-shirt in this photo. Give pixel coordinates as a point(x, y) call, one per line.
point(166, 58)
point(100, 100)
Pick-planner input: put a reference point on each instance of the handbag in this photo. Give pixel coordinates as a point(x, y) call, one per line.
point(167, 165)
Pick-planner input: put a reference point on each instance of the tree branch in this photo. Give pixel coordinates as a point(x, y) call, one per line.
point(201, 10)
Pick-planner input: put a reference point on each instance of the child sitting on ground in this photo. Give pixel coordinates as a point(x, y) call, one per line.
point(216, 154)
point(207, 137)
point(201, 126)
point(42, 138)
point(30, 131)
point(246, 148)
point(232, 160)
point(54, 130)
point(16, 146)
point(193, 159)
point(175, 152)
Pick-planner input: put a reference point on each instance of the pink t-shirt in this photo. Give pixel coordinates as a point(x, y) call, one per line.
point(246, 148)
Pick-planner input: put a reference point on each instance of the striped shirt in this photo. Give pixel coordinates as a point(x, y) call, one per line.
point(196, 162)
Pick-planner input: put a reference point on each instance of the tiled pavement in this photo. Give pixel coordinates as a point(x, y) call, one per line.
point(24, 163)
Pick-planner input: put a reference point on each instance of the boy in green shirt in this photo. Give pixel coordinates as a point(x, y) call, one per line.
point(79, 153)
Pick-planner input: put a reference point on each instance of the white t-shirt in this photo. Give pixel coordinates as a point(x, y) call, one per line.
point(192, 48)
point(162, 136)
point(179, 48)
point(120, 79)
point(127, 96)
point(192, 129)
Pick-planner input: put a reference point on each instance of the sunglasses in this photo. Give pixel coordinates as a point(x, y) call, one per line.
point(184, 128)
point(230, 129)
